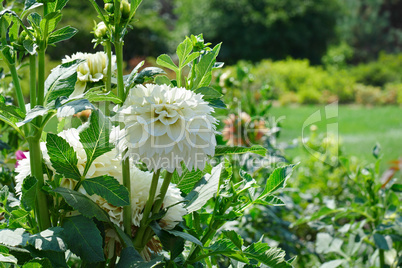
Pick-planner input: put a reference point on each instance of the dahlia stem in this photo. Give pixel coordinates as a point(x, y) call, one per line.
point(139, 241)
point(41, 76)
point(126, 163)
point(108, 48)
point(17, 86)
point(127, 209)
point(41, 207)
point(32, 80)
point(162, 194)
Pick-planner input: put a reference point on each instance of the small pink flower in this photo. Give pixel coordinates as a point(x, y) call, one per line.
point(19, 155)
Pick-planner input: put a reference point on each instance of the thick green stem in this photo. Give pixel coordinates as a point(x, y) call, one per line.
point(42, 211)
point(41, 76)
point(32, 80)
point(17, 86)
point(108, 49)
point(140, 239)
point(127, 209)
point(178, 78)
point(126, 164)
point(162, 194)
point(382, 258)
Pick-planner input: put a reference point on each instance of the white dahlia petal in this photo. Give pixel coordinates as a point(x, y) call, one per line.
point(167, 126)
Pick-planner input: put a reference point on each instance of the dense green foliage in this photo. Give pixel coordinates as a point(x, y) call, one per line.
point(296, 81)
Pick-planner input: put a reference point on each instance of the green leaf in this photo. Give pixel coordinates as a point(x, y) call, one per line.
point(30, 4)
point(50, 21)
point(277, 180)
point(11, 111)
point(228, 248)
point(185, 236)
point(147, 73)
point(162, 80)
point(49, 239)
point(62, 34)
point(30, 46)
point(38, 263)
point(204, 68)
point(4, 192)
point(208, 93)
point(234, 237)
point(170, 242)
point(108, 188)
point(7, 258)
point(204, 190)
point(83, 204)
point(34, 113)
point(63, 157)
point(380, 241)
point(165, 61)
point(191, 58)
point(61, 81)
point(13, 238)
point(96, 96)
point(34, 20)
point(73, 107)
point(183, 50)
point(217, 103)
point(256, 149)
point(28, 197)
point(134, 5)
point(18, 218)
point(396, 187)
point(129, 79)
point(57, 259)
point(272, 257)
point(187, 180)
point(57, 5)
point(83, 238)
point(270, 200)
point(130, 258)
point(332, 264)
point(95, 138)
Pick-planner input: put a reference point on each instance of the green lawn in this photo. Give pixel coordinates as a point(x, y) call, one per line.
point(360, 128)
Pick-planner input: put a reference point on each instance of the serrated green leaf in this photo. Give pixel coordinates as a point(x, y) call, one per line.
point(57, 259)
point(183, 50)
point(217, 103)
point(185, 236)
point(61, 81)
point(256, 149)
point(62, 156)
point(13, 238)
point(187, 180)
point(129, 79)
point(18, 218)
point(57, 5)
point(62, 34)
point(208, 93)
point(95, 138)
point(204, 68)
point(49, 239)
point(277, 180)
point(50, 21)
point(228, 248)
point(34, 20)
point(108, 188)
point(96, 96)
point(165, 61)
point(191, 58)
point(235, 238)
point(28, 196)
point(83, 204)
point(73, 107)
point(129, 259)
point(30, 4)
point(272, 257)
point(84, 230)
point(270, 200)
point(204, 190)
point(32, 114)
point(38, 263)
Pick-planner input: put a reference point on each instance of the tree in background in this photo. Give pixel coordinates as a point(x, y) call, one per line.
point(259, 29)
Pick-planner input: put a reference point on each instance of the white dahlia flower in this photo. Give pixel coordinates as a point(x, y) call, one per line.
point(93, 69)
point(166, 126)
point(140, 185)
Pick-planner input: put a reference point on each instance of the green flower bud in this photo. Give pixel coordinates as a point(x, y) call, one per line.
point(109, 7)
point(100, 30)
point(125, 9)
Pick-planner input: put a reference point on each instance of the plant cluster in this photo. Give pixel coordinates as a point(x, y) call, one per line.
point(118, 171)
